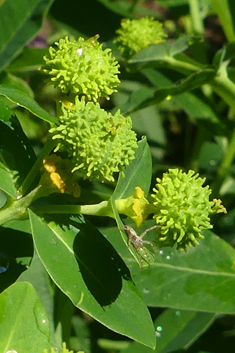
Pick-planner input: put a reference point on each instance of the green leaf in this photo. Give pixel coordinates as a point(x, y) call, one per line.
point(161, 51)
point(202, 279)
point(22, 99)
point(88, 270)
point(146, 97)
point(16, 251)
point(225, 10)
point(5, 112)
point(38, 277)
point(176, 330)
point(7, 182)
point(23, 320)
point(16, 157)
point(137, 173)
point(198, 110)
point(29, 60)
point(21, 20)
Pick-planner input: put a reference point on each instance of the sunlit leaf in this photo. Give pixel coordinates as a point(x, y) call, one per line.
point(23, 320)
point(24, 100)
point(85, 266)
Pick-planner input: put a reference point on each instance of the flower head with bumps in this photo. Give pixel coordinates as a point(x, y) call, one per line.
point(98, 143)
point(82, 67)
point(182, 208)
point(135, 35)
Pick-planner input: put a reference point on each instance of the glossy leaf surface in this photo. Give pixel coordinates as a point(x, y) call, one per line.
point(16, 157)
point(88, 270)
point(202, 279)
point(138, 173)
point(23, 320)
point(176, 330)
point(22, 99)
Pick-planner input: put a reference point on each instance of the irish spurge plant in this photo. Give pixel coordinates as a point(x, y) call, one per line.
point(105, 188)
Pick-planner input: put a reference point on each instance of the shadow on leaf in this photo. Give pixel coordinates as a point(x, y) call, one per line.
point(101, 267)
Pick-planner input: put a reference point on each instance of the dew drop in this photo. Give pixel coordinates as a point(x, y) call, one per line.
point(41, 321)
point(177, 313)
point(158, 331)
point(145, 291)
point(168, 257)
point(161, 252)
point(4, 262)
point(11, 351)
point(79, 51)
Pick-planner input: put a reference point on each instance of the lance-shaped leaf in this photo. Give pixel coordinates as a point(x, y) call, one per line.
point(85, 266)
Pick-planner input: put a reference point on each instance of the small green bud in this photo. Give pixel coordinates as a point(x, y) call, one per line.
point(82, 67)
point(135, 35)
point(182, 208)
point(98, 142)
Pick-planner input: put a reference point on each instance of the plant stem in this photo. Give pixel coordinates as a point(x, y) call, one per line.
point(223, 86)
point(181, 66)
point(196, 18)
point(101, 209)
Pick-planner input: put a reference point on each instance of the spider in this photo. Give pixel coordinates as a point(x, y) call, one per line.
point(138, 242)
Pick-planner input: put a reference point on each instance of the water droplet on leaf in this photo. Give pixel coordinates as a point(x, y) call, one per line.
point(158, 331)
point(41, 321)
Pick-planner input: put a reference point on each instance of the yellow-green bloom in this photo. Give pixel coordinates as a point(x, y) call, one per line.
point(135, 35)
point(98, 143)
point(182, 208)
point(82, 67)
point(135, 207)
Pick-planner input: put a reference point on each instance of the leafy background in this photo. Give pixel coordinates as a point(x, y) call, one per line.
point(88, 290)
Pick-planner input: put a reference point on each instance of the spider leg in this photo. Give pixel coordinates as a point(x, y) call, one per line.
point(146, 256)
point(148, 230)
point(149, 243)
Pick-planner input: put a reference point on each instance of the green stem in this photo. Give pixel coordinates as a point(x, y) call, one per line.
point(49, 145)
point(223, 86)
point(101, 209)
point(196, 17)
point(181, 66)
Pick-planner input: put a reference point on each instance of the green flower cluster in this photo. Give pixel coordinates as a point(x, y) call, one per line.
point(82, 67)
point(135, 35)
point(182, 208)
point(98, 142)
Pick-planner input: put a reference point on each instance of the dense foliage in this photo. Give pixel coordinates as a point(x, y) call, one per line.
point(117, 147)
